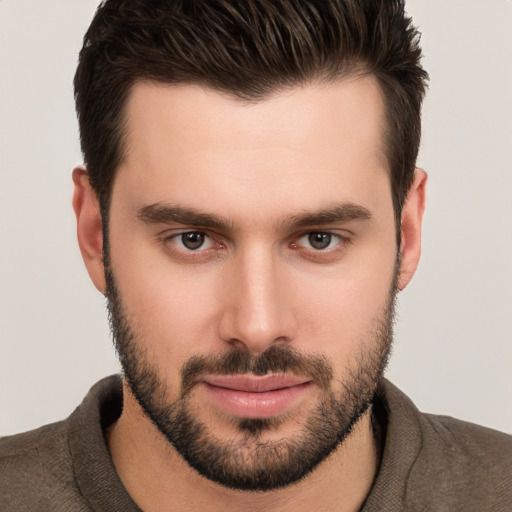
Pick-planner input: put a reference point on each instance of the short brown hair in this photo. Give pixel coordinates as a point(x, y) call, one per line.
point(248, 49)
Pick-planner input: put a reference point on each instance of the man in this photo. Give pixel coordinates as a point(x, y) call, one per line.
point(250, 209)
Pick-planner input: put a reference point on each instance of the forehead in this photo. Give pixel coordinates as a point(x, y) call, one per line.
point(354, 102)
point(194, 145)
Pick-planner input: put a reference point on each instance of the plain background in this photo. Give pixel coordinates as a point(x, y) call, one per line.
point(453, 350)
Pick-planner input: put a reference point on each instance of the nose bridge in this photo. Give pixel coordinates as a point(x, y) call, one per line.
point(257, 312)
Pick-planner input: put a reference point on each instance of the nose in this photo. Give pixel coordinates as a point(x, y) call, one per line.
point(257, 309)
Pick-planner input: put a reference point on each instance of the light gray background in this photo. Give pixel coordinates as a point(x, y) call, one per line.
point(453, 351)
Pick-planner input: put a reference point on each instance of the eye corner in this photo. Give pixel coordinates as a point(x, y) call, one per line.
point(190, 245)
point(332, 245)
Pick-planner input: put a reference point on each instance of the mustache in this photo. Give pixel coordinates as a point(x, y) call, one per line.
point(276, 359)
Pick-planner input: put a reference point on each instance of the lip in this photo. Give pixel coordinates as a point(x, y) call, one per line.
point(251, 396)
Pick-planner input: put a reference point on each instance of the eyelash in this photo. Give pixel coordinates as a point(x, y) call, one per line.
point(170, 242)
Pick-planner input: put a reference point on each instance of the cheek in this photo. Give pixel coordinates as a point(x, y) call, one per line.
point(172, 312)
point(171, 308)
point(340, 314)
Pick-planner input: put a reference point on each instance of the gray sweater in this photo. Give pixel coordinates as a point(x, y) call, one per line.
point(429, 463)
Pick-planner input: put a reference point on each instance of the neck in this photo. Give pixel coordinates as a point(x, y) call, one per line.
point(158, 478)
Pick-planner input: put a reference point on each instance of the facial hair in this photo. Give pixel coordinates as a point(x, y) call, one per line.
point(252, 462)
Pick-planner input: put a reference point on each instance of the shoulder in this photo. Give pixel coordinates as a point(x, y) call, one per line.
point(470, 441)
point(444, 434)
point(439, 463)
point(64, 465)
point(464, 462)
point(32, 452)
point(474, 455)
point(464, 443)
point(36, 471)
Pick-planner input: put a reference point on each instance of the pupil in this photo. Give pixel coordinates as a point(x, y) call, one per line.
point(320, 240)
point(192, 240)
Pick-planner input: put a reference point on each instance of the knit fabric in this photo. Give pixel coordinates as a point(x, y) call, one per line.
point(429, 463)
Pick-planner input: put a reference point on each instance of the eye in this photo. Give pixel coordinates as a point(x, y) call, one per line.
point(192, 240)
point(319, 240)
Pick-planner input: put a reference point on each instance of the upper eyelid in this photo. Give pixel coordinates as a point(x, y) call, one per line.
point(341, 233)
point(168, 234)
point(175, 232)
point(340, 237)
point(165, 240)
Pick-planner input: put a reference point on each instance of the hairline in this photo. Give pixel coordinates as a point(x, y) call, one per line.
point(355, 71)
point(351, 71)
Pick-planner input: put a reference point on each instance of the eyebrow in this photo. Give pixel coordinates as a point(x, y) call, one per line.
point(344, 212)
point(161, 213)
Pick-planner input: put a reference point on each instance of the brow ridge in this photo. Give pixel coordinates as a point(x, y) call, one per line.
point(343, 212)
point(162, 213)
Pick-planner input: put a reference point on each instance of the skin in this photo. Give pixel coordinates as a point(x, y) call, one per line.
point(257, 282)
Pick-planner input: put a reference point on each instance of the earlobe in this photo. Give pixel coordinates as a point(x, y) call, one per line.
point(412, 216)
point(89, 227)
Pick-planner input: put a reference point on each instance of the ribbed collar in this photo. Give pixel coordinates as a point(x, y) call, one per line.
point(95, 473)
point(101, 486)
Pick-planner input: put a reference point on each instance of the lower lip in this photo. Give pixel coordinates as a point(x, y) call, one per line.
point(267, 404)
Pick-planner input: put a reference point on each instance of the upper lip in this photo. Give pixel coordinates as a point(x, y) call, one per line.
point(255, 383)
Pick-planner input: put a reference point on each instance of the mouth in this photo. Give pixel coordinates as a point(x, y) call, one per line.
point(252, 396)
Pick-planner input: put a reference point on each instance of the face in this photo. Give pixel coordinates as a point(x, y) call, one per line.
point(252, 272)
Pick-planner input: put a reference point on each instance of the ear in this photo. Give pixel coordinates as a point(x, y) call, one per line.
point(89, 227)
point(412, 216)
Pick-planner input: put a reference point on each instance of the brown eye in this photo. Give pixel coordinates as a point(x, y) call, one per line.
point(319, 240)
point(192, 240)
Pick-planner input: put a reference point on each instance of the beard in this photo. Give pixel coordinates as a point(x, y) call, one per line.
point(250, 461)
